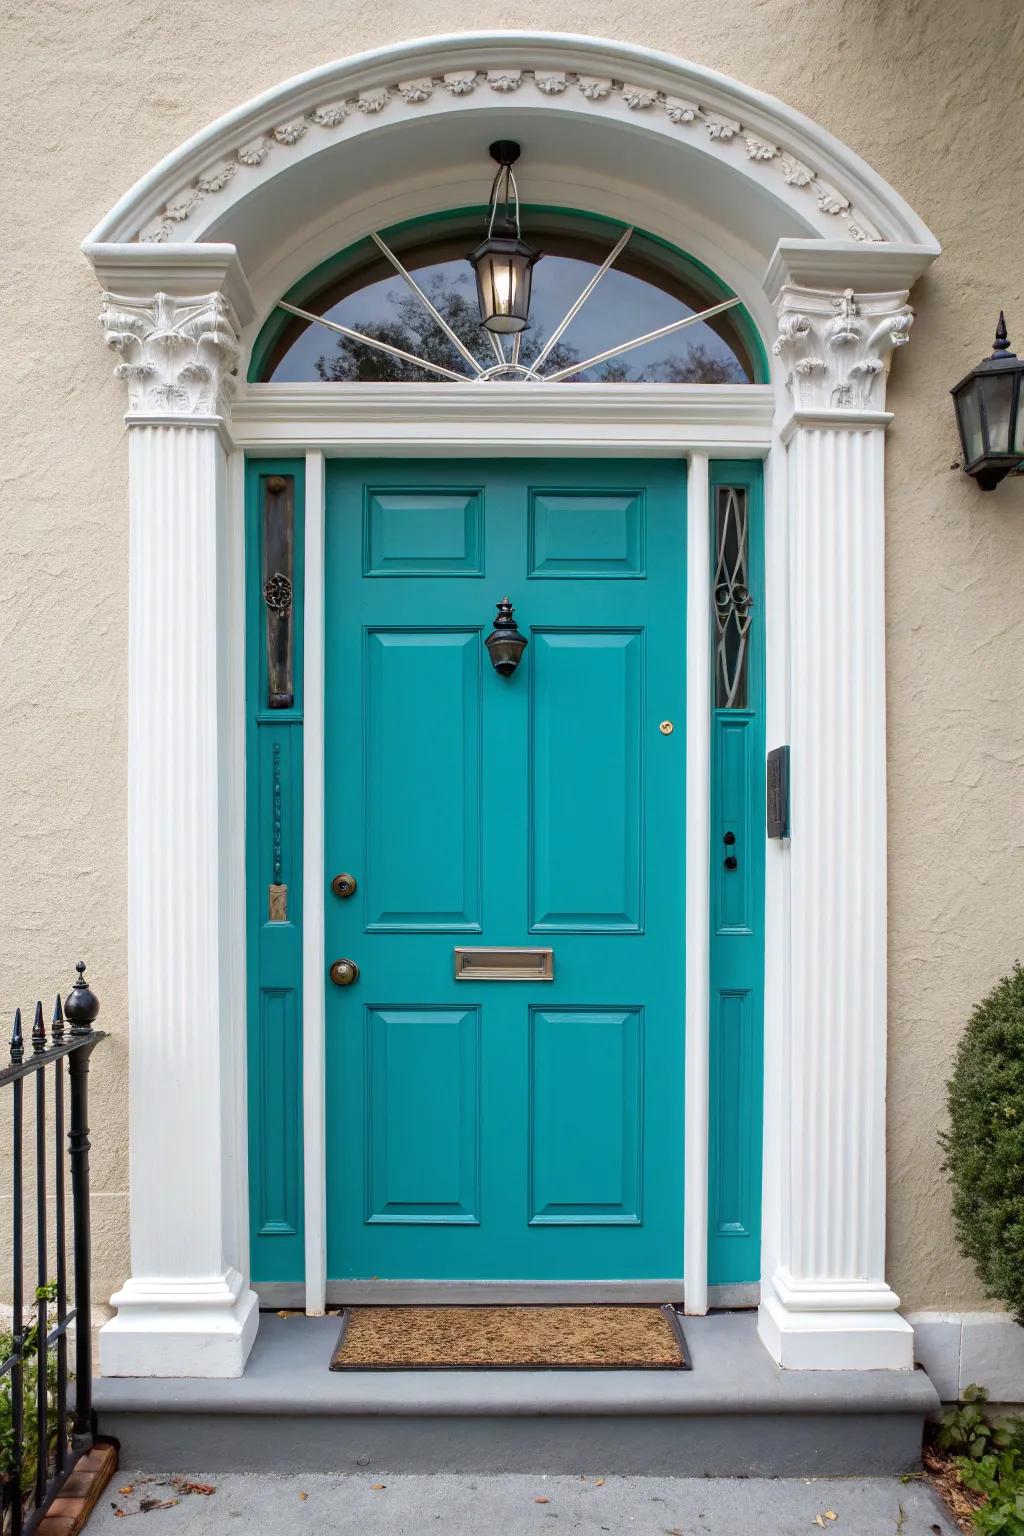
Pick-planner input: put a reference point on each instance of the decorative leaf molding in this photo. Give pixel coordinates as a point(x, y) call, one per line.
point(838, 346)
point(178, 356)
point(460, 83)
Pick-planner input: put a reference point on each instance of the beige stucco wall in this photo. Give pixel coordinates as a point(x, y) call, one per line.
point(926, 91)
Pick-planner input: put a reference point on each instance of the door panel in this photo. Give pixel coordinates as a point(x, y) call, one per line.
point(586, 701)
point(422, 747)
point(586, 1115)
point(505, 1130)
point(423, 1114)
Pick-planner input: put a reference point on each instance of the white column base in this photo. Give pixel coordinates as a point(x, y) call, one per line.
point(179, 1327)
point(820, 1340)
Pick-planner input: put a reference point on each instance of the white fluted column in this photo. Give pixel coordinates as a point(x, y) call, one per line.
point(825, 1302)
point(187, 1308)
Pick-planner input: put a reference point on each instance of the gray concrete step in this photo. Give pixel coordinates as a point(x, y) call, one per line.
point(734, 1414)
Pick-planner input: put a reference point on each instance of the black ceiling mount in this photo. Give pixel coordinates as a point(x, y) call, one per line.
point(505, 151)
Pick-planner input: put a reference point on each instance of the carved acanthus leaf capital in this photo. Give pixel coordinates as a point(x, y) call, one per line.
point(178, 356)
point(837, 347)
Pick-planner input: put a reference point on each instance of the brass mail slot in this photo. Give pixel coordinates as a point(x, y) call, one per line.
point(504, 964)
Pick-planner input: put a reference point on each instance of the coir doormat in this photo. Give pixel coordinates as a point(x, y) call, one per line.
point(622, 1337)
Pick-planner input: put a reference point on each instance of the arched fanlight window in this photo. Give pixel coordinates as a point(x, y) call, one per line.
point(599, 288)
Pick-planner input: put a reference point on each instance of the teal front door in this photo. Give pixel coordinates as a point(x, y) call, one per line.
point(505, 1129)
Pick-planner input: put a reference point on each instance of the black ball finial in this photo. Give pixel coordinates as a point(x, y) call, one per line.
point(81, 1004)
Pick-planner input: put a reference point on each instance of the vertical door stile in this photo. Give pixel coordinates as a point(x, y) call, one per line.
point(313, 964)
point(698, 810)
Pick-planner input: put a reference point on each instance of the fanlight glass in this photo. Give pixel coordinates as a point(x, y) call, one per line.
point(649, 286)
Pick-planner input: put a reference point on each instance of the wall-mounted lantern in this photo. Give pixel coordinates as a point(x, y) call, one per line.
point(504, 262)
point(505, 645)
point(989, 414)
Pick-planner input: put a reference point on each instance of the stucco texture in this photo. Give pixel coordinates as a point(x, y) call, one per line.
point(927, 92)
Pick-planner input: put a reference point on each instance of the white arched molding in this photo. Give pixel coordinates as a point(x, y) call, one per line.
point(842, 251)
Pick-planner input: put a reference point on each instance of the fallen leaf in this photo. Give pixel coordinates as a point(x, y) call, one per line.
point(147, 1506)
point(542, 1500)
point(599, 1483)
point(204, 1488)
point(119, 1514)
point(378, 1486)
point(128, 1488)
point(819, 1521)
point(303, 1496)
point(830, 1514)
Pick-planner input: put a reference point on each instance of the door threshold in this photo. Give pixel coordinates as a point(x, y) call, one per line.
point(353, 1293)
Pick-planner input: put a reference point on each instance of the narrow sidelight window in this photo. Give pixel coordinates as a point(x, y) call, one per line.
point(732, 598)
point(278, 553)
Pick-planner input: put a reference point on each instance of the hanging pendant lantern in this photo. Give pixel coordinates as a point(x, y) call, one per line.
point(990, 414)
point(504, 262)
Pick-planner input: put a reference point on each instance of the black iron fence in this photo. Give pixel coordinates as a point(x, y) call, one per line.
point(41, 1437)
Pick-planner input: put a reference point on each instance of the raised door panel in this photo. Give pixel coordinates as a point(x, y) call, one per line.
point(586, 533)
point(586, 1116)
point(586, 811)
point(422, 780)
point(278, 1111)
point(423, 1115)
point(733, 890)
point(423, 533)
point(733, 1086)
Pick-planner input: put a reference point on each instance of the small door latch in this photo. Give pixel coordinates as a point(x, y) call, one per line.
point(730, 861)
point(344, 885)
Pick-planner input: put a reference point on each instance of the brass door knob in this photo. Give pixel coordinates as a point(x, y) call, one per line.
point(344, 885)
point(344, 973)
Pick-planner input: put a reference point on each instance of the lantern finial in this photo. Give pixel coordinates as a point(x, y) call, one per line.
point(1002, 341)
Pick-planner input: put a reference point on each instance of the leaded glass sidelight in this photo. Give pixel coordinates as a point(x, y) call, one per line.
point(733, 602)
point(278, 577)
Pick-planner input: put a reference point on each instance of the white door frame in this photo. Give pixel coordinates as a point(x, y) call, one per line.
point(842, 250)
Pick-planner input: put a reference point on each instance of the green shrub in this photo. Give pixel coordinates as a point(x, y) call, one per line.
point(984, 1145)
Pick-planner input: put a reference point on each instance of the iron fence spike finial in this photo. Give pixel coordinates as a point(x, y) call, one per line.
point(17, 1041)
point(81, 1004)
point(38, 1031)
point(57, 1022)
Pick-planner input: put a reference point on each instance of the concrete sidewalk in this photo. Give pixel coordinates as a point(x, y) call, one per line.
point(521, 1505)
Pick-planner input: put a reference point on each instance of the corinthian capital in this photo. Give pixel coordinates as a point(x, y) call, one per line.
point(178, 355)
point(837, 347)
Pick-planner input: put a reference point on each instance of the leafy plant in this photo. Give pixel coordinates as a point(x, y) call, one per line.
point(963, 1429)
point(984, 1145)
point(990, 1460)
point(30, 1380)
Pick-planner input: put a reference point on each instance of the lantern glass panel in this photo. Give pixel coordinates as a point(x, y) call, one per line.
point(997, 397)
point(970, 421)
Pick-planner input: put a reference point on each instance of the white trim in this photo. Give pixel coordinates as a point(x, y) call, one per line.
point(698, 894)
point(314, 1085)
point(493, 418)
point(803, 175)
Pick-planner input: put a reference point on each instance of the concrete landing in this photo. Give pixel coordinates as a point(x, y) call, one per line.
point(254, 1504)
point(734, 1414)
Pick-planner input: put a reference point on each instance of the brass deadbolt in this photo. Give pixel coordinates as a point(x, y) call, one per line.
point(666, 727)
point(344, 973)
point(344, 885)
